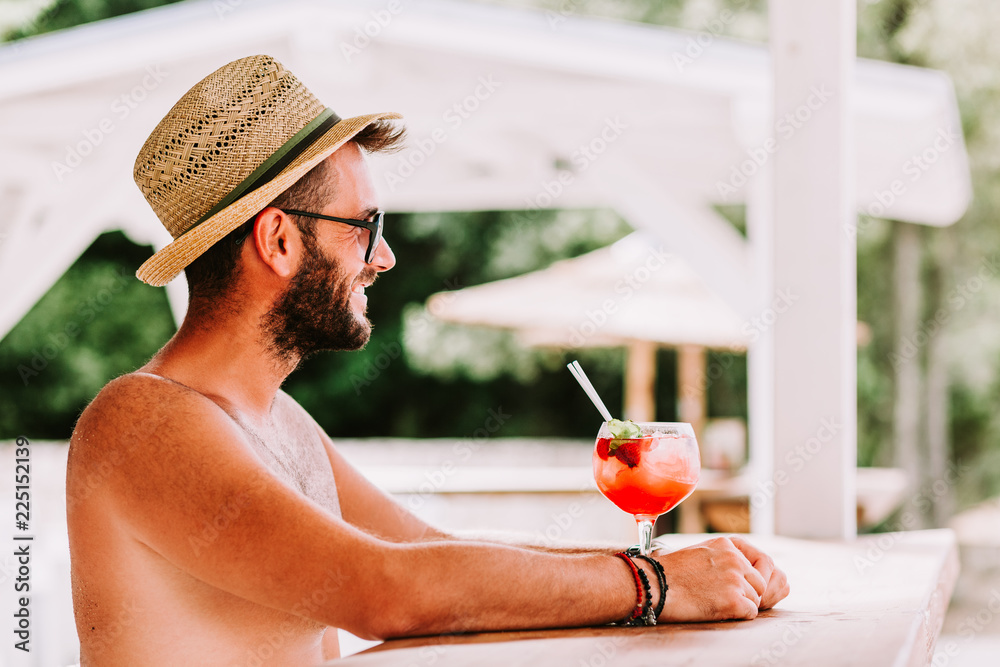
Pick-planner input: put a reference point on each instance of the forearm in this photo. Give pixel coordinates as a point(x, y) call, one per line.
point(464, 586)
point(527, 541)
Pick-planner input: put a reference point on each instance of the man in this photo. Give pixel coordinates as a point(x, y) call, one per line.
point(211, 520)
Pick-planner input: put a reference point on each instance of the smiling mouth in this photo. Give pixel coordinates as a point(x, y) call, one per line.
point(359, 287)
point(365, 279)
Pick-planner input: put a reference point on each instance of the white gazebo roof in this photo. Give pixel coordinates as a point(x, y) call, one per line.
point(507, 109)
point(631, 290)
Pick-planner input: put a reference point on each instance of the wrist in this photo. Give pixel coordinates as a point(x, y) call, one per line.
point(658, 585)
point(654, 582)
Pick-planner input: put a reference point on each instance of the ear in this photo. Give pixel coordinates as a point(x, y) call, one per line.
point(277, 241)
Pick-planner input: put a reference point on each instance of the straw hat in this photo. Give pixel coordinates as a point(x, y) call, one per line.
point(231, 144)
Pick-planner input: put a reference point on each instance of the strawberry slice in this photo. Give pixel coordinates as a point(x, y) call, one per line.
point(602, 448)
point(628, 452)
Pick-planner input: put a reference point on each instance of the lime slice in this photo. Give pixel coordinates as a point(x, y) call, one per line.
point(624, 429)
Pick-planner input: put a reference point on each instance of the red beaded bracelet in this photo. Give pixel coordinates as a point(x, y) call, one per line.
point(639, 601)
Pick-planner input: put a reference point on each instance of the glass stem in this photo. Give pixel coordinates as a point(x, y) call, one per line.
point(645, 535)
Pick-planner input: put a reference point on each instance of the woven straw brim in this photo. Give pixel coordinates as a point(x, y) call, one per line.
point(167, 264)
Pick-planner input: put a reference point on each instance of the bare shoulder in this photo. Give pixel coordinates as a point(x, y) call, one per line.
point(136, 406)
point(136, 426)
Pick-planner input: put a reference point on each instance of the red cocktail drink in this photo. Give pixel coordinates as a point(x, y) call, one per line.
point(648, 474)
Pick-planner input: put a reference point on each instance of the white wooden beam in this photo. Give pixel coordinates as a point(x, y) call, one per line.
point(706, 240)
point(814, 256)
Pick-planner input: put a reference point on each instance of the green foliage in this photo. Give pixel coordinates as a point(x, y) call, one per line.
point(68, 13)
point(875, 372)
point(96, 323)
point(955, 36)
point(975, 432)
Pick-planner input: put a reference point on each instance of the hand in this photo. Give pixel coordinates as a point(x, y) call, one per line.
point(716, 581)
point(776, 588)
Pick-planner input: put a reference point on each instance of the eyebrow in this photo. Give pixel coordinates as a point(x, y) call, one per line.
point(367, 213)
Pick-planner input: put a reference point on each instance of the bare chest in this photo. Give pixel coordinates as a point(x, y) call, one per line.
point(295, 454)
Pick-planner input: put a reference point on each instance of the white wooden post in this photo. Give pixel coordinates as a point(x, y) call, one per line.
point(640, 381)
point(760, 355)
point(813, 46)
point(692, 398)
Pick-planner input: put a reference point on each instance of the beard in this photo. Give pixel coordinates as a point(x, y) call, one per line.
point(315, 313)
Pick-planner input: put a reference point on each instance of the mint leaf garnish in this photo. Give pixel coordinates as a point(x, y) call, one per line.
point(622, 431)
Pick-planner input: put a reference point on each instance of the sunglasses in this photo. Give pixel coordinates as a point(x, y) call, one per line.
point(374, 228)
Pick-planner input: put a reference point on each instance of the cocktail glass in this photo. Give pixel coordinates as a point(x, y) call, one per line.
point(648, 475)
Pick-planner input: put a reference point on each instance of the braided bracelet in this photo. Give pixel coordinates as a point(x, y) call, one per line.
point(630, 619)
point(662, 578)
point(642, 614)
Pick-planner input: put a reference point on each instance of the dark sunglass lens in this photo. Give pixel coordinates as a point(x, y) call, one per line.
point(375, 238)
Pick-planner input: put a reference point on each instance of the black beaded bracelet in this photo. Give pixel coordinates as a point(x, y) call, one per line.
point(646, 617)
point(643, 614)
point(661, 577)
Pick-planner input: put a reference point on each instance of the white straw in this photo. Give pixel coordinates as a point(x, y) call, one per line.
point(584, 381)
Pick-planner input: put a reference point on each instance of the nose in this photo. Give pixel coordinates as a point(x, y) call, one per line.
point(384, 259)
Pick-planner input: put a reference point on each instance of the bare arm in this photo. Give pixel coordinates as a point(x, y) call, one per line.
point(371, 509)
point(281, 547)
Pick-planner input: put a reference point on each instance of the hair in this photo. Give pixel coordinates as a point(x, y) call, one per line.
point(212, 275)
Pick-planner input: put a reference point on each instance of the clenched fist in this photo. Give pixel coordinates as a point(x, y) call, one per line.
point(722, 579)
